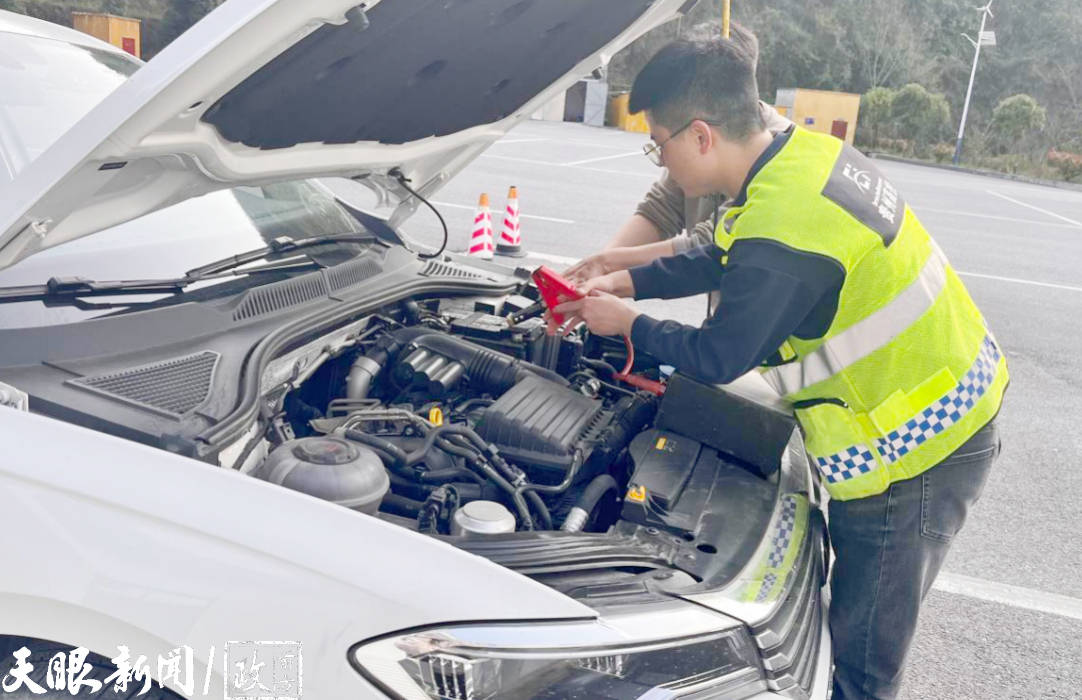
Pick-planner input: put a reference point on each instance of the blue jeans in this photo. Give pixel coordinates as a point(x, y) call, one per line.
point(888, 549)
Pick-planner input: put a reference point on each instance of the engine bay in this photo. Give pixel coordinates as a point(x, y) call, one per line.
point(460, 417)
point(483, 425)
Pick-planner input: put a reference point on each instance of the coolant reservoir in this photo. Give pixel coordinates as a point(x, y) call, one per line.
point(482, 518)
point(330, 468)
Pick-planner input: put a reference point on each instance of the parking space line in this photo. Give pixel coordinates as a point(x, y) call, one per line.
point(919, 210)
point(598, 160)
point(529, 161)
point(614, 145)
point(515, 159)
point(557, 259)
point(521, 216)
point(1006, 594)
point(1030, 206)
point(1015, 280)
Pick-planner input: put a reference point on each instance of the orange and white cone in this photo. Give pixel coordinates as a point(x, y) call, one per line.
point(510, 242)
point(481, 239)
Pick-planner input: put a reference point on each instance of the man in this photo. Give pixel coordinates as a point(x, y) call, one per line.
point(655, 229)
point(830, 283)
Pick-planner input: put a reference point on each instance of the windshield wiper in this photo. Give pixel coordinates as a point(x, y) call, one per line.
point(68, 290)
point(276, 247)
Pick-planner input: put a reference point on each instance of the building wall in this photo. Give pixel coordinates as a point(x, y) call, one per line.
point(817, 110)
point(122, 32)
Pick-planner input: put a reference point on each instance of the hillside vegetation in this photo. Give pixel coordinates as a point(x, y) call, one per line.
point(907, 58)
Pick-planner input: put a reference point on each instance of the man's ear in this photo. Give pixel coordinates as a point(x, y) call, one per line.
point(704, 136)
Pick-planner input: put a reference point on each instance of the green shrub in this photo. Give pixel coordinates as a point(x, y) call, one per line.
point(874, 120)
point(1016, 123)
point(919, 115)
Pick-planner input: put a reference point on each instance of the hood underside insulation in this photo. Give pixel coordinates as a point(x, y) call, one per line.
point(421, 68)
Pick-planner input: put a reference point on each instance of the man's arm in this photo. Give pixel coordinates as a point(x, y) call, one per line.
point(768, 293)
point(659, 216)
point(636, 231)
point(651, 232)
point(686, 274)
point(614, 259)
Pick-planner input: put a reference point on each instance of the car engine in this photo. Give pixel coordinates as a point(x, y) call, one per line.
point(454, 419)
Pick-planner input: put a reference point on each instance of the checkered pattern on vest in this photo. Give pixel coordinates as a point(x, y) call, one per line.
point(933, 420)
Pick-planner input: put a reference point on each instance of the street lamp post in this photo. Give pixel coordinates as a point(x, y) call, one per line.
point(982, 38)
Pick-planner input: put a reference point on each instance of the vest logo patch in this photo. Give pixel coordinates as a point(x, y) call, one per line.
point(858, 187)
point(860, 177)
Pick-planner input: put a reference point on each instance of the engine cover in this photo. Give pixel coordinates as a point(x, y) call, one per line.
point(538, 423)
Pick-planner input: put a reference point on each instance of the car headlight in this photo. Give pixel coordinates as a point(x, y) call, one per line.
point(614, 658)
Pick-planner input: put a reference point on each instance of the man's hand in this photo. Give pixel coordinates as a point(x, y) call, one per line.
point(589, 267)
point(602, 313)
point(615, 259)
point(617, 283)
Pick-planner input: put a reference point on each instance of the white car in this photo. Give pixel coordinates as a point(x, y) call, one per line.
point(256, 446)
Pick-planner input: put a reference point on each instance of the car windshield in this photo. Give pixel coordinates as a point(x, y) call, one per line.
point(48, 86)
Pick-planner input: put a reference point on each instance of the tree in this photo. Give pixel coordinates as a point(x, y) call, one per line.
point(888, 41)
point(919, 115)
point(875, 115)
point(1016, 120)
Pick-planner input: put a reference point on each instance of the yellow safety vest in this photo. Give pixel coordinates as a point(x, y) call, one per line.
point(908, 370)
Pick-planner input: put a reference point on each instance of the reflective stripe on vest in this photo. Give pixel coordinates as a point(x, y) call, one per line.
point(937, 417)
point(866, 336)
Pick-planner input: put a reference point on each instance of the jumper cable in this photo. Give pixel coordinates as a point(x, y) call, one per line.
point(555, 290)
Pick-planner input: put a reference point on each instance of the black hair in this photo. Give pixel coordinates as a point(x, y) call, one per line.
point(703, 77)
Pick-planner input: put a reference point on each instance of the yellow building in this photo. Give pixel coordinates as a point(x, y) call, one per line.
point(821, 110)
point(617, 115)
point(121, 32)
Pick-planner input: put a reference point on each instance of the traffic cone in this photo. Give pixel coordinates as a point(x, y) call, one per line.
point(510, 242)
point(481, 239)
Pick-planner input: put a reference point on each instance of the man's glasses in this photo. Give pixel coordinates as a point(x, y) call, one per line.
point(653, 150)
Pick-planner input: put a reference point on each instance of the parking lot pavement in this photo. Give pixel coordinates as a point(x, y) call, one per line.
point(1011, 625)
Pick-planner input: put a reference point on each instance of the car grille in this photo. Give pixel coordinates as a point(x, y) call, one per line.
point(789, 639)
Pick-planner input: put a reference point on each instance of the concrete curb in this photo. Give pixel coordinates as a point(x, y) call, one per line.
point(974, 171)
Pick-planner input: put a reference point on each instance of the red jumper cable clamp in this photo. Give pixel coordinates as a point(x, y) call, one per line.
point(555, 290)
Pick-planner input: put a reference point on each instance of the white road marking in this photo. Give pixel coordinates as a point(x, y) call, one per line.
point(1011, 219)
point(1014, 280)
point(598, 160)
point(1006, 594)
point(1030, 206)
point(513, 159)
point(504, 142)
point(593, 144)
point(529, 161)
point(521, 216)
point(557, 259)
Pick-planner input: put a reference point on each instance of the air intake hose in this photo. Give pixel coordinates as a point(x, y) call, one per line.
point(488, 370)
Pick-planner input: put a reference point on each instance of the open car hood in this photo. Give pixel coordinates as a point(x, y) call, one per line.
point(271, 90)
